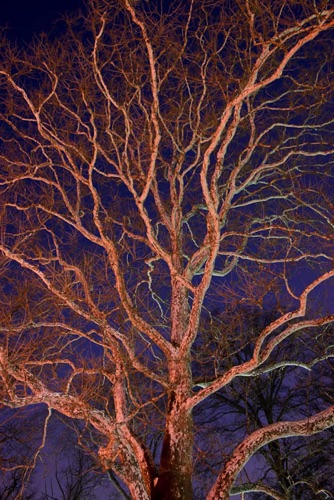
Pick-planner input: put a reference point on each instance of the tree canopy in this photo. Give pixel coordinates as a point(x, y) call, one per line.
point(166, 178)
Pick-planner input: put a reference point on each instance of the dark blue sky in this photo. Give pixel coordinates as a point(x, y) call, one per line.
point(25, 18)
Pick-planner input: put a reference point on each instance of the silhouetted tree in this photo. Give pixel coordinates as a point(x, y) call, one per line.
point(290, 468)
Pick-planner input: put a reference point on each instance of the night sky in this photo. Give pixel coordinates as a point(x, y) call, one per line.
point(26, 18)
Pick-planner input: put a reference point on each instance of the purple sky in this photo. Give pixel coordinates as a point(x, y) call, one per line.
point(24, 18)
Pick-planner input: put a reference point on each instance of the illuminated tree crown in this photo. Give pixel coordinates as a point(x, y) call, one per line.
point(165, 178)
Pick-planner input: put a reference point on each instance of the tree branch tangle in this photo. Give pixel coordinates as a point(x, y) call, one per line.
point(166, 176)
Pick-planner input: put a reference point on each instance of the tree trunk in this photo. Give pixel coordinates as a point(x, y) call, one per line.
point(174, 481)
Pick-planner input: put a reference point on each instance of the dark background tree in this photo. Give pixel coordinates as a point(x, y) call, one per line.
point(19, 442)
point(294, 467)
point(159, 162)
point(40, 465)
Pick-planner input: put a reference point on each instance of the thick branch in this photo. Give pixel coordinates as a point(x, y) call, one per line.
point(261, 437)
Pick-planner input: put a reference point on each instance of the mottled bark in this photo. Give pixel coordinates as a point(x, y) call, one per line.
point(175, 474)
point(261, 437)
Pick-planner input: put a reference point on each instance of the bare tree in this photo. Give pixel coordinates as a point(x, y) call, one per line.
point(73, 474)
point(156, 161)
point(290, 468)
point(19, 447)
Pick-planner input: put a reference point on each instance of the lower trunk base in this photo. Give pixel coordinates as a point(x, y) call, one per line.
point(170, 486)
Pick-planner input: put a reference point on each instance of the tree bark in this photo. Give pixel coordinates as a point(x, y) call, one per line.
point(245, 450)
point(175, 475)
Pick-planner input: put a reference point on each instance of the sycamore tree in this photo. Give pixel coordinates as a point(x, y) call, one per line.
point(158, 161)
